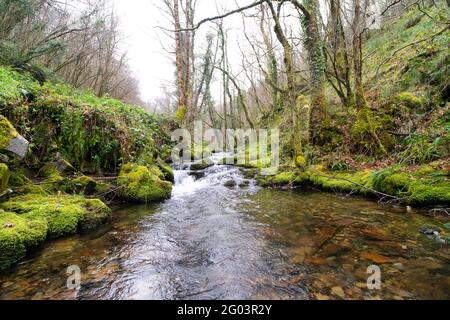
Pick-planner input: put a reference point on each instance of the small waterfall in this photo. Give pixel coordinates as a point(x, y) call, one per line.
point(186, 182)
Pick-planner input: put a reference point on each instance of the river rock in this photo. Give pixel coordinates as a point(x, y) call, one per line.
point(18, 146)
point(432, 233)
point(338, 291)
point(399, 266)
point(200, 165)
point(332, 249)
point(320, 296)
point(374, 234)
point(197, 174)
point(230, 184)
point(375, 257)
point(244, 184)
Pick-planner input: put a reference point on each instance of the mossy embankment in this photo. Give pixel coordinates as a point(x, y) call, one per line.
point(27, 221)
point(399, 145)
point(421, 186)
point(83, 148)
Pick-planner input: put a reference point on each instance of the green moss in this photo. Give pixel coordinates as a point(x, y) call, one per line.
point(300, 161)
point(390, 181)
point(409, 100)
point(95, 134)
point(284, 178)
point(97, 213)
point(4, 177)
point(18, 178)
point(143, 184)
point(83, 184)
point(7, 132)
point(64, 214)
point(422, 193)
point(181, 113)
point(50, 173)
point(341, 181)
point(166, 170)
point(17, 235)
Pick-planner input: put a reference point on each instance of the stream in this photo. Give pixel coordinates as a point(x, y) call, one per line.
point(243, 242)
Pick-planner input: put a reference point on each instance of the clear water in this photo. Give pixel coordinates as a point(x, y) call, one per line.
point(214, 242)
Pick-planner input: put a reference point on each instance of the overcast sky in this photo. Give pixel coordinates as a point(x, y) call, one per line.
point(151, 64)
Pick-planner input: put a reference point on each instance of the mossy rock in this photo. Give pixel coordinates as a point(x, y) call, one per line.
point(51, 174)
point(422, 193)
point(7, 132)
point(230, 184)
point(249, 173)
point(18, 234)
point(143, 184)
point(200, 165)
point(18, 178)
point(4, 177)
point(300, 162)
point(166, 170)
point(409, 100)
point(97, 214)
point(83, 184)
point(29, 220)
point(64, 215)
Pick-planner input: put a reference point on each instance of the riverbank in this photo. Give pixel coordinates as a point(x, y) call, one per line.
point(64, 153)
point(243, 242)
point(419, 186)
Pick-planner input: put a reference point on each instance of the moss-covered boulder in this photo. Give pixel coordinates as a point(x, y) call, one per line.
point(27, 221)
point(18, 234)
point(82, 185)
point(63, 214)
point(143, 184)
point(7, 132)
point(166, 170)
point(409, 100)
point(422, 187)
point(423, 193)
point(200, 165)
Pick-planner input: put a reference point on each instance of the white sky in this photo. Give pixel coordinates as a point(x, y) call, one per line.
point(151, 64)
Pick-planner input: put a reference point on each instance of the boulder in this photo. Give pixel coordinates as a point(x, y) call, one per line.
point(63, 166)
point(18, 146)
point(200, 165)
point(230, 184)
point(143, 184)
point(10, 140)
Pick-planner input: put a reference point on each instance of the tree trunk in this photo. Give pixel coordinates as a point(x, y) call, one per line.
point(313, 44)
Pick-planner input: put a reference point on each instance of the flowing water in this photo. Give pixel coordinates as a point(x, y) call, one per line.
point(213, 242)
